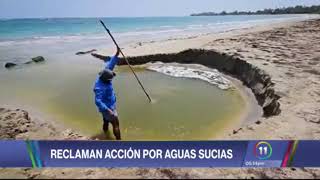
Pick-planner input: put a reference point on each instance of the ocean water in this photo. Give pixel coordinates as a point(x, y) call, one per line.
point(22, 39)
point(19, 29)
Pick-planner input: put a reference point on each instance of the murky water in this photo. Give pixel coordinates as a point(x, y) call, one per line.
point(183, 109)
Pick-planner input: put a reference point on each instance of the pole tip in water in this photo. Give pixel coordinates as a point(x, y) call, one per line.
point(152, 101)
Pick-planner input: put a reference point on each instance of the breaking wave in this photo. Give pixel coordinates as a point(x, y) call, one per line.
point(211, 76)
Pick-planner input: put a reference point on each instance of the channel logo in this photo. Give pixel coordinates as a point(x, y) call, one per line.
point(263, 150)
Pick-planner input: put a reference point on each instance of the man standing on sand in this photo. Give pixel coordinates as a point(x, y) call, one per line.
point(105, 98)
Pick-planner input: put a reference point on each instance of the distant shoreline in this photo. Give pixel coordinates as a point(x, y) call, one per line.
point(278, 11)
point(199, 14)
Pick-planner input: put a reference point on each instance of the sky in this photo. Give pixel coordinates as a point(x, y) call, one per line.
point(133, 8)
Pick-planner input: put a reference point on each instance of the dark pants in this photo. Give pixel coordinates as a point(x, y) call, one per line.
point(114, 120)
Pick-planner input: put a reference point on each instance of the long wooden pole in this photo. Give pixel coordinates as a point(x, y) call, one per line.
point(135, 75)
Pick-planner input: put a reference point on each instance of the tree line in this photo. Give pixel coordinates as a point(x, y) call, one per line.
point(289, 10)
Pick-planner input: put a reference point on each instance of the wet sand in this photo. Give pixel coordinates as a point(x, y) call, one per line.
point(290, 53)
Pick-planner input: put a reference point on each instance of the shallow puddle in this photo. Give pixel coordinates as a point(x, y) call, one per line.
point(183, 109)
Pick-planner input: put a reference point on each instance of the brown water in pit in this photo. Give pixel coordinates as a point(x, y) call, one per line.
point(183, 109)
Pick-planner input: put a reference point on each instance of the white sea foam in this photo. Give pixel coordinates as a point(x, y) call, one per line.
point(211, 76)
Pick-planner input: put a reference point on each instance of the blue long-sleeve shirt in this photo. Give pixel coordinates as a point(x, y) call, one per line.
point(105, 97)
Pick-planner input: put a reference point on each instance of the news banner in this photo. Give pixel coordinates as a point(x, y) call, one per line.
point(157, 154)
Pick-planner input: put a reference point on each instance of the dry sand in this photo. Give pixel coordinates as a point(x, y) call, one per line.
point(290, 53)
point(292, 57)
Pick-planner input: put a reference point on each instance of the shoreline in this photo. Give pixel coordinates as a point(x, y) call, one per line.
point(195, 41)
point(186, 29)
point(290, 54)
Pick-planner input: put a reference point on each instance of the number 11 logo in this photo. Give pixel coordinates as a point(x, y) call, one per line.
point(263, 150)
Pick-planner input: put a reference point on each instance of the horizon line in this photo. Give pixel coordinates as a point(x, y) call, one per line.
point(72, 17)
point(92, 17)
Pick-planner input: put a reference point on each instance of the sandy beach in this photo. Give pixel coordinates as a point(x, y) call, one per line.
point(291, 57)
point(288, 52)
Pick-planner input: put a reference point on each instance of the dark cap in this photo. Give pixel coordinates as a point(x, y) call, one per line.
point(106, 75)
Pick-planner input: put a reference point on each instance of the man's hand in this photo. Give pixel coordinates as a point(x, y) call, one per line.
point(110, 112)
point(112, 115)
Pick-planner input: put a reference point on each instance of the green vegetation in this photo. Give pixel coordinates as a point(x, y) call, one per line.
point(289, 10)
